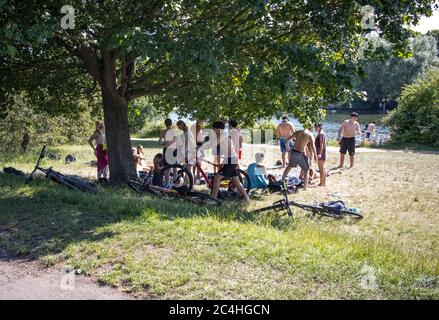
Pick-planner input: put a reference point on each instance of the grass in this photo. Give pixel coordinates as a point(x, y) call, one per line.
point(161, 249)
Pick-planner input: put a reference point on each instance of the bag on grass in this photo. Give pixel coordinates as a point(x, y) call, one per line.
point(10, 170)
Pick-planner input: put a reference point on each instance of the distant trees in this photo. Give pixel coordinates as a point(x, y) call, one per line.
point(386, 74)
point(24, 125)
point(416, 120)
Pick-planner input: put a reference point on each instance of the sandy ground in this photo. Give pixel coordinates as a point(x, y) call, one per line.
point(29, 280)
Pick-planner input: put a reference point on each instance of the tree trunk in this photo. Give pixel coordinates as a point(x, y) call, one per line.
point(25, 141)
point(117, 134)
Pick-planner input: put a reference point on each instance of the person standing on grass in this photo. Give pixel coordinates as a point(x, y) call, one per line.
point(229, 168)
point(304, 140)
point(199, 141)
point(186, 146)
point(284, 130)
point(237, 137)
point(167, 139)
point(347, 131)
point(320, 143)
point(100, 151)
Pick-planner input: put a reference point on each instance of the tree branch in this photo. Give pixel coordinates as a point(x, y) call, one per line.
point(123, 75)
point(236, 16)
point(152, 90)
point(91, 62)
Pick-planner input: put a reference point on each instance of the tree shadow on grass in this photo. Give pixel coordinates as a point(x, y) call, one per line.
point(45, 218)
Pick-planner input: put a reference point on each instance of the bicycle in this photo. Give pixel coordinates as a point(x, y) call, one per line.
point(332, 209)
point(70, 182)
point(185, 177)
point(146, 186)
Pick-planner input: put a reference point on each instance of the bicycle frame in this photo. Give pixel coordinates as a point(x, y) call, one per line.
point(200, 169)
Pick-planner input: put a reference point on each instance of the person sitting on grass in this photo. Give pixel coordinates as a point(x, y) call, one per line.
point(257, 173)
point(229, 168)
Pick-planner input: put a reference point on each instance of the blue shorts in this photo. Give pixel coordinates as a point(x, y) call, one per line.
point(283, 145)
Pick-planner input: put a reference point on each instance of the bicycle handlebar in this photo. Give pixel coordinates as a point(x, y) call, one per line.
point(42, 153)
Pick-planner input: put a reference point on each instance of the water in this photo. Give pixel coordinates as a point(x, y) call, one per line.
point(331, 125)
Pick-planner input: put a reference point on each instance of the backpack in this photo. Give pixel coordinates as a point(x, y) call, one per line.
point(334, 207)
point(70, 159)
point(10, 170)
point(53, 156)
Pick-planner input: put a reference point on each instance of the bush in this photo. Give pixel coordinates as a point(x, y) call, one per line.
point(151, 129)
point(25, 127)
point(416, 120)
point(265, 129)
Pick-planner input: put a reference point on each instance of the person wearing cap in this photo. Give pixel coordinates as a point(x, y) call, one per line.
point(347, 131)
point(284, 130)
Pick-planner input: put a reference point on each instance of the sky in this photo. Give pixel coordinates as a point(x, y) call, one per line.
point(428, 23)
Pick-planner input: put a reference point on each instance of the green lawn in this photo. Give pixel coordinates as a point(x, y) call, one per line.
point(162, 249)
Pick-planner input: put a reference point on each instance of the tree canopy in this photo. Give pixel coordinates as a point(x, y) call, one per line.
point(209, 58)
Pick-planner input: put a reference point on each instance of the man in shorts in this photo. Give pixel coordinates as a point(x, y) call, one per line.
point(229, 168)
point(304, 140)
point(347, 131)
point(283, 131)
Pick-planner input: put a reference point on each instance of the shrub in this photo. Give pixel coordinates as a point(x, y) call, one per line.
point(416, 120)
point(266, 129)
point(25, 126)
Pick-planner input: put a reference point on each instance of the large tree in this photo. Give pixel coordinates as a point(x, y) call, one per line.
point(205, 57)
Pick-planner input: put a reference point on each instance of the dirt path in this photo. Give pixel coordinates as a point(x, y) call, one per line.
point(22, 280)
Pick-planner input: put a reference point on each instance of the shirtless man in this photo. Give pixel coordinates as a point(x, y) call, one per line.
point(304, 140)
point(348, 130)
point(284, 130)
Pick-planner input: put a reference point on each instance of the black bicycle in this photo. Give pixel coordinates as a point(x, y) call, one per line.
point(70, 182)
point(145, 186)
point(332, 209)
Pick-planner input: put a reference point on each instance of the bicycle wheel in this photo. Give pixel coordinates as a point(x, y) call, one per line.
point(138, 187)
point(80, 184)
point(243, 178)
point(275, 207)
point(162, 192)
point(351, 213)
point(182, 178)
point(201, 198)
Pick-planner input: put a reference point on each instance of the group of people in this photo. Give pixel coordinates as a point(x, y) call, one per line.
point(307, 148)
point(186, 145)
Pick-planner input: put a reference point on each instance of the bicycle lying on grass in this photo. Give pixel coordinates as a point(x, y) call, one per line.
point(70, 182)
point(147, 187)
point(332, 209)
point(185, 177)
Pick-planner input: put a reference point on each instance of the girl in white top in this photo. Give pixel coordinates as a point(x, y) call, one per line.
point(237, 138)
